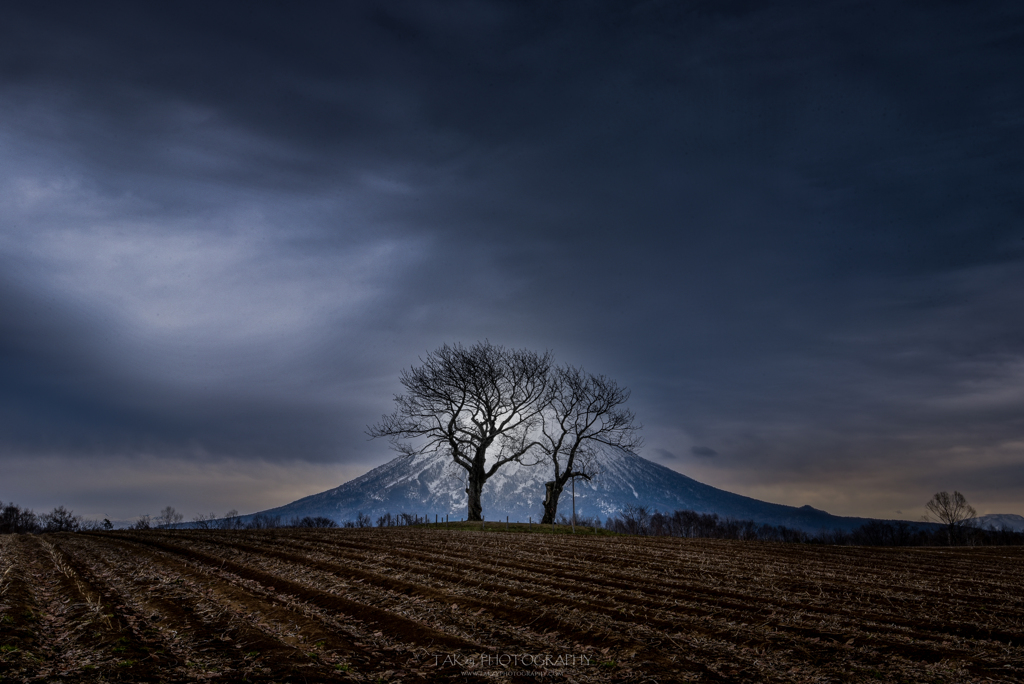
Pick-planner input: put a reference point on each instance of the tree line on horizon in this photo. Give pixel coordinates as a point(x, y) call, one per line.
point(634, 519)
point(639, 520)
point(17, 520)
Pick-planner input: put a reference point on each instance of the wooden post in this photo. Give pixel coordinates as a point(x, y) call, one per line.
point(506, 523)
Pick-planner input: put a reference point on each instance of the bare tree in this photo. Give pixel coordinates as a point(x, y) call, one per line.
point(263, 521)
point(479, 406)
point(230, 521)
point(320, 522)
point(168, 517)
point(953, 511)
point(583, 412)
point(637, 518)
point(14, 519)
point(205, 522)
point(60, 519)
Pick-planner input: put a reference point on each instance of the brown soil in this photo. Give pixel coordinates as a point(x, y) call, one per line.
point(409, 604)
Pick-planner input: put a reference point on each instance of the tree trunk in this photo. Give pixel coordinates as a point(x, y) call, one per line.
point(474, 511)
point(553, 492)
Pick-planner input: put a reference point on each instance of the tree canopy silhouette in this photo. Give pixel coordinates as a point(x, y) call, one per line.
point(480, 405)
point(953, 511)
point(582, 411)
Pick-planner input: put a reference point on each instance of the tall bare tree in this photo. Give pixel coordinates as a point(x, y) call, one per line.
point(480, 406)
point(583, 412)
point(953, 511)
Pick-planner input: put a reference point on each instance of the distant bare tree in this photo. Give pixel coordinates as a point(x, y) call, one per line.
point(263, 521)
point(684, 523)
point(168, 517)
point(637, 518)
point(902, 532)
point(143, 523)
point(230, 521)
point(317, 522)
point(478, 405)
point(60, 519)
point(205, 522)
point(16, 520)
point(953, 511)
point(583, 411)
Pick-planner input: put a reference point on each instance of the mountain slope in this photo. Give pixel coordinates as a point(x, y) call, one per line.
point(430, 485)
point(1000, 521)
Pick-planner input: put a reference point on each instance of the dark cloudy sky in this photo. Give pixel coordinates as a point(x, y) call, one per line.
point(795, 231)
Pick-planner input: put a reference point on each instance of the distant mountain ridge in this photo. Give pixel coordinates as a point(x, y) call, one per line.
point(430, 485)
point(1000, 521)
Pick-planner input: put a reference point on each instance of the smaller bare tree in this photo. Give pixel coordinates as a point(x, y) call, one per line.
point(60, 519)
point(953, 511)
point(230, 521)
point(637, 518)
point(168, 517)
point(204, 522)
point(583, 411)
point(14, 519)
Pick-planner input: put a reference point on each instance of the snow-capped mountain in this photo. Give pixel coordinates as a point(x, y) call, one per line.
point(431, 485)
point(1000, 521)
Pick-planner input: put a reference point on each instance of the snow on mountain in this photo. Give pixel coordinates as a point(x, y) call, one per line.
point(431, 485)
point(1000, 521)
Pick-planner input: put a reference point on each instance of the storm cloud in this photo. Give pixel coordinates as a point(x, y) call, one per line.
point(793, 232)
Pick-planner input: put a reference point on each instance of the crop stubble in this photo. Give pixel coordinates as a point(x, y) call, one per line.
point(415, 604)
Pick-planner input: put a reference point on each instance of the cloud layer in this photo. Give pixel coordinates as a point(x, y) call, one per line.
point(794, 233)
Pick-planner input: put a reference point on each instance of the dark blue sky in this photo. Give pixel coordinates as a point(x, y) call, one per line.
point(796, 232)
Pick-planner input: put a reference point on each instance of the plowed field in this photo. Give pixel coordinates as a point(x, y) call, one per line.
point(408, 604)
